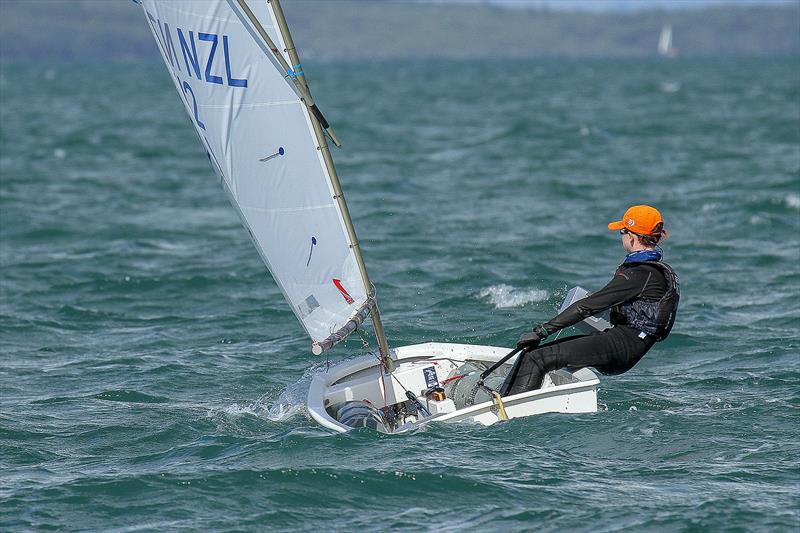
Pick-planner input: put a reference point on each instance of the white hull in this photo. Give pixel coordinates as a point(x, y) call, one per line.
point(360, 380)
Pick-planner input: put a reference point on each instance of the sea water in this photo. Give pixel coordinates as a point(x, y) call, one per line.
point(152, 377)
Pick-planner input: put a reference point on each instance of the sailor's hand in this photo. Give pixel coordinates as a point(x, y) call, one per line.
point(531, 340)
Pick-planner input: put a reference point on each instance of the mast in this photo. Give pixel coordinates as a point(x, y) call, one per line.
point(320, 127)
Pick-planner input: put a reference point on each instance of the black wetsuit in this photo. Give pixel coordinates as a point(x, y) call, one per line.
point(613, 351)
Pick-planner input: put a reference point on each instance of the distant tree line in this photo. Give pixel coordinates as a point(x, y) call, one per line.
point(89, 30)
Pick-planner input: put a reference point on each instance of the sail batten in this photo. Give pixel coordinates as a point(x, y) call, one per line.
point(254, 122)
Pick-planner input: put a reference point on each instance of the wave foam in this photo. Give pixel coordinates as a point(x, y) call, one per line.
point(289, 402)
point(240, 409)
point(502, 296)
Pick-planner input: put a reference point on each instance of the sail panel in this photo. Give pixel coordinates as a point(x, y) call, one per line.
point(665, 40)
point(260, 138)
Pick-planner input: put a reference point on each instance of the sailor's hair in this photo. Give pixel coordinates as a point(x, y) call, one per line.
point(655, 237)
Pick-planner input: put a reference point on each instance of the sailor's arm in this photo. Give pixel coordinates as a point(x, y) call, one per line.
point(625, 285)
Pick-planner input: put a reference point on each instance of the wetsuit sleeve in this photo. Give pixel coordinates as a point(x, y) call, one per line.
point(625, 285)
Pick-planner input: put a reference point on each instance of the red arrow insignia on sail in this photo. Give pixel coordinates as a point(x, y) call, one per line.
point(347, 297)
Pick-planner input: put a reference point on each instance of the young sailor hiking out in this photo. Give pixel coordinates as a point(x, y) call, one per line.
point(643, 299)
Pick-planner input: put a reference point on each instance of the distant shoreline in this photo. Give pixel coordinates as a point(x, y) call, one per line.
point(155, 61)
point(85, 31)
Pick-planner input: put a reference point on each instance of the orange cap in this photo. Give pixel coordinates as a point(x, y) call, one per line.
point(642, 220)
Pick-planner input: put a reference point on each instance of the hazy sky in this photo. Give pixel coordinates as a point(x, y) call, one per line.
point(620, 5)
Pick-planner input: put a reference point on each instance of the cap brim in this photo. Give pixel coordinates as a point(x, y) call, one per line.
point(619, 224)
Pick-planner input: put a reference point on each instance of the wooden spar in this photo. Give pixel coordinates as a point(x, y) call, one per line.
point(320, 127)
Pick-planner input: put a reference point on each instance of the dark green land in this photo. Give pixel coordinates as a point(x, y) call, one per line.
point(99, 30)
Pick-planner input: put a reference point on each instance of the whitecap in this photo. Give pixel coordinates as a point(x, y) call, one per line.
point(670, 86)
point(793, 201)
point(502, 296)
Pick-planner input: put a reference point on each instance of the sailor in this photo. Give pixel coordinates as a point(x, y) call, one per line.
point(643, 298)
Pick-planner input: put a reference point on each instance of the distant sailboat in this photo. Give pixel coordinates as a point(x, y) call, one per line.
point(665, 47)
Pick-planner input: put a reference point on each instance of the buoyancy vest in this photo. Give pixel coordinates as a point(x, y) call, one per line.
point(653, 317)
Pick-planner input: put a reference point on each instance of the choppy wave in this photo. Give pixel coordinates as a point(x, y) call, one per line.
point(504, 296)
point(153, 378)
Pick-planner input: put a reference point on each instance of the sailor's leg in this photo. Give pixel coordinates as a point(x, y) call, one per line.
point(601, 350)
point(527, 369)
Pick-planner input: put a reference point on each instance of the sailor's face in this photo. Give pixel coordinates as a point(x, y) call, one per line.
point(628, 240)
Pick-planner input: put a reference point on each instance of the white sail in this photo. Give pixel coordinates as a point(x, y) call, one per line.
point(665, 41)
point(260, 139)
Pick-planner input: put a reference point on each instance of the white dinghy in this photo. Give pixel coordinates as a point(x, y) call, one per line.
point(237, 71)
point(358, 393)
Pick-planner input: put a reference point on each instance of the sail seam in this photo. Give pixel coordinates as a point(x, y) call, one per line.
point(252, 105)
point(289, 209)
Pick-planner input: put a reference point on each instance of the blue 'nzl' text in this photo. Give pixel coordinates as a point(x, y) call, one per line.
point(188, 43)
